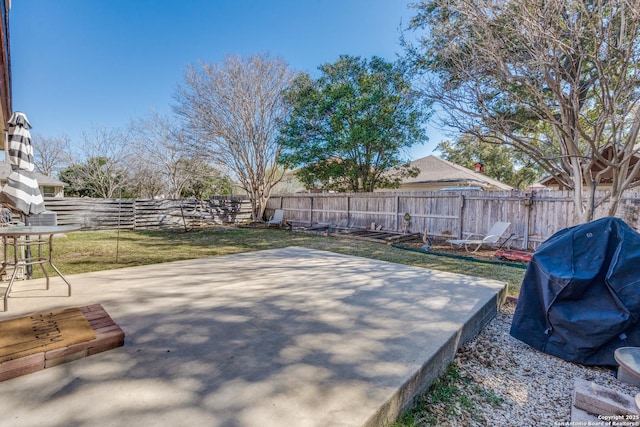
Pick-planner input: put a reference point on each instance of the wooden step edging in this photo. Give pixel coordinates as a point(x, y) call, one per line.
point(108, 336)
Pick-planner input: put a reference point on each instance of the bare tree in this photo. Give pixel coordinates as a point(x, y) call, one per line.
point(105, 170)
point(144, 180)
point(161, 148)
point(234, 111)
point(556, 79)
point(51, 153)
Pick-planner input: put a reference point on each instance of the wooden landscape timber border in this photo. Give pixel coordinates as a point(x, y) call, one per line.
point(534, 216)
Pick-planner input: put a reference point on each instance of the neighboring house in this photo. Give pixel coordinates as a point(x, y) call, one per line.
point(289, 184)
point(438, 174)
point(548, 182)
point(49, 187)
point(538, 186)
point(552, 183)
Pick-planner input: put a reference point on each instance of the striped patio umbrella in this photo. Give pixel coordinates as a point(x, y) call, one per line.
point(21, 192)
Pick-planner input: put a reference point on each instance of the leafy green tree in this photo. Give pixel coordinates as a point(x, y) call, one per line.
point(76, 187)
point(348, 127)
point(501, 162)
point(556, 79)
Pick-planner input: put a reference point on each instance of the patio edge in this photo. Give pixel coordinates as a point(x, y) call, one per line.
point(406, 396)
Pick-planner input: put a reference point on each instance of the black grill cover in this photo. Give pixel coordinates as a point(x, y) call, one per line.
point(580, 297)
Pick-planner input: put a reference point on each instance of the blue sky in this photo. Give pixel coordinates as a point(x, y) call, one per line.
point(80, 64)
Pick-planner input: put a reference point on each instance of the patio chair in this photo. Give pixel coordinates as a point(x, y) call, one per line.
point(277, 218)
point(491, 238)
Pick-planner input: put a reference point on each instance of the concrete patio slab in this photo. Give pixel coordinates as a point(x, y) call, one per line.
point(286, 337)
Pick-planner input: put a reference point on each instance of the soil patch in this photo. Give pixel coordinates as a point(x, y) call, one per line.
point(486, 254)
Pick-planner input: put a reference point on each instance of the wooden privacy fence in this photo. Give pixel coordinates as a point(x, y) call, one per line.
point(534, 216)
point(97, 214)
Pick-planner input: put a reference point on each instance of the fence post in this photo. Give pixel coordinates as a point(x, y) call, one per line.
point(395, 218)
point(135, 212)
point(348, 211)
point(460, 215)
point(528, 203)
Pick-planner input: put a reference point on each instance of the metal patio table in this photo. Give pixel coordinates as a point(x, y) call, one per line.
point(16, 239)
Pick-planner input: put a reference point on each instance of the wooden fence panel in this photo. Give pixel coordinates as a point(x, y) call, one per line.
point(298, 209)
point(330, 210)
point(479, 213)
point(227, 211)
point(366, 210)
point(92, 213)
point(549, 213)
point(437, 213)
point(97, 214)
point(534, 217)
point(152, 213)
point(630, 208)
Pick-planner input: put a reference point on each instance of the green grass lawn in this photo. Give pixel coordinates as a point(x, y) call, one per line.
point(87, 251)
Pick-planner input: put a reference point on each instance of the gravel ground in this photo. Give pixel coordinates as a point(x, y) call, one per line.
point(501, 381)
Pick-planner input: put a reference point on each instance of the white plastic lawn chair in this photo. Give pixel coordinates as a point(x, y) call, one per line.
point(491, 238)
point(277, 218)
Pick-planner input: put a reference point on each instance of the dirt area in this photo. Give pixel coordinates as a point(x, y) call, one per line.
point(438, 246)
point(442, 247)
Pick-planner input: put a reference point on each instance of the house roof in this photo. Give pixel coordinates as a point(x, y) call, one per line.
point(5, 170)
point(433, 169)
point(607, 178)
